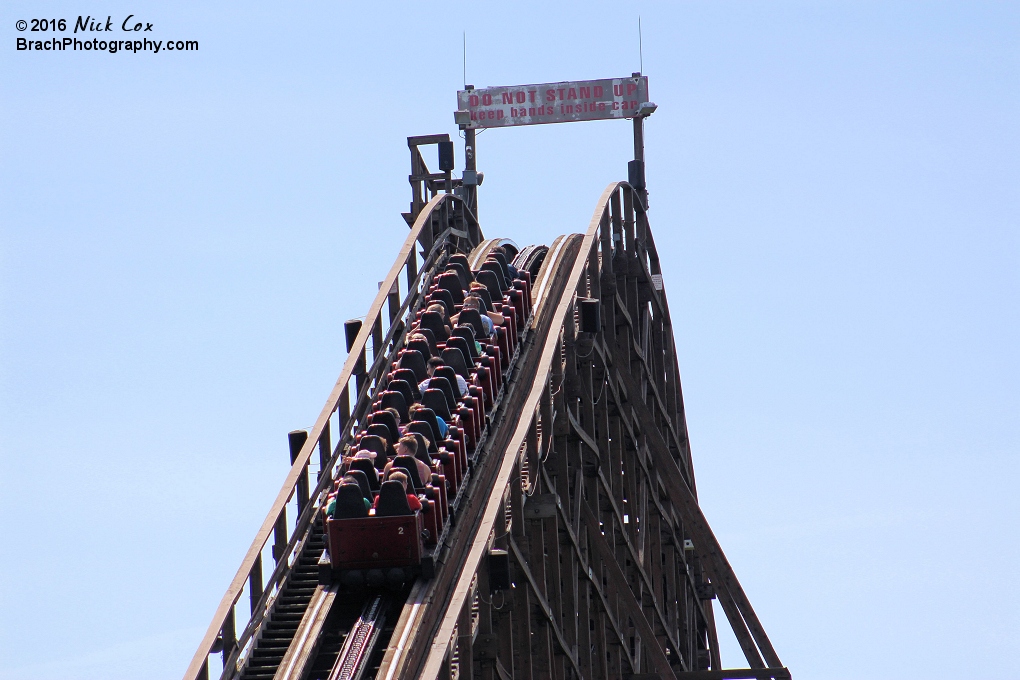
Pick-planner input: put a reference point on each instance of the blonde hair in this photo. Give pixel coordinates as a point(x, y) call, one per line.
point(410, 442)
point(400, 477)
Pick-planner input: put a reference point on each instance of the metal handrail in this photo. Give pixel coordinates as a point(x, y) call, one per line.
point(223, 617)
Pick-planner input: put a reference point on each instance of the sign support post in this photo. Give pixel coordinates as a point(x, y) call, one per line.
point(469, 181)
point(563, 102)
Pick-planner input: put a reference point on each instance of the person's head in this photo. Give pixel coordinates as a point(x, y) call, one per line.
point(434, 363)
point(400, 477)
point(413, 411)
point(395, 412)
point(475, 285)
point(472, 302)
point(437, 307)
point(407, 446)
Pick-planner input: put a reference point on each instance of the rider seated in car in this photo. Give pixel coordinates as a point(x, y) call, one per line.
point(434, 363)
point(443, 427)
point(408, 446)
point(475, 302)
point(514, 274)
point(476, 291)
point(440, 308)
point(331, 505)
point(412, 500)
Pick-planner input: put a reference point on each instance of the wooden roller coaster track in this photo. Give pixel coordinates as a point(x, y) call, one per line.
point(579, 549)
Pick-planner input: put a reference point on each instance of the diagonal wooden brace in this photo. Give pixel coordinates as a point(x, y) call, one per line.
point(735, 604)
point(656, 654)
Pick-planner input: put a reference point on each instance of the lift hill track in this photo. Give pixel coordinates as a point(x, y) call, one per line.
point(578, 550)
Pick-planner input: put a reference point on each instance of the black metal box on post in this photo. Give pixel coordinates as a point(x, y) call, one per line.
point(636, 174)
point(499, 570)
point(591, 315)
point(446, 156)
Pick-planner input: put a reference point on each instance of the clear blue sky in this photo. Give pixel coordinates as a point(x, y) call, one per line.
point(834, 192)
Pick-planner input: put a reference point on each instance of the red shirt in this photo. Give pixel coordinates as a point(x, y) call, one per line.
point(411, 501)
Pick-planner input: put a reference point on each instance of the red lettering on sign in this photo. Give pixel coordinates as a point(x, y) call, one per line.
point(553, 102)
point(531, 111)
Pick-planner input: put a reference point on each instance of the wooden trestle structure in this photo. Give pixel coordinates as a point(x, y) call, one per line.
point(580, 550)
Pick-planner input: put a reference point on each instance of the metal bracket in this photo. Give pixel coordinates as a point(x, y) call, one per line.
point(541, 506)
point(705, 591)
point(485, 647)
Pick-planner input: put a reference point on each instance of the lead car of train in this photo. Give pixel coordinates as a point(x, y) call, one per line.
point(374, 537)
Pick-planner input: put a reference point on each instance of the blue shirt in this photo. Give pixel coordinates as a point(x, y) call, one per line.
point(487, 324)
point(461, 385)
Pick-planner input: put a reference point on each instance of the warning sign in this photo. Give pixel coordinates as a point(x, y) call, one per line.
point(552, 102)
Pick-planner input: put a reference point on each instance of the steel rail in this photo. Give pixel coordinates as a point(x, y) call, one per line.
point(353, 657)
point(439, 206)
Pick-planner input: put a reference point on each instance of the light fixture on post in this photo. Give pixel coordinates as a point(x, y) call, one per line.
point(646, 109)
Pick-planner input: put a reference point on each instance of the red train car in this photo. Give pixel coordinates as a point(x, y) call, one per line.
point(377, 551)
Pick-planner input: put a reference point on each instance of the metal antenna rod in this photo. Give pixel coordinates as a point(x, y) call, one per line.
point(640, 47)
point(465, 59)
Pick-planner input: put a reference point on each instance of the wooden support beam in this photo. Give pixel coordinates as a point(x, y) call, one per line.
point(598, 541)
point(545, 608)
point(705, 542)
